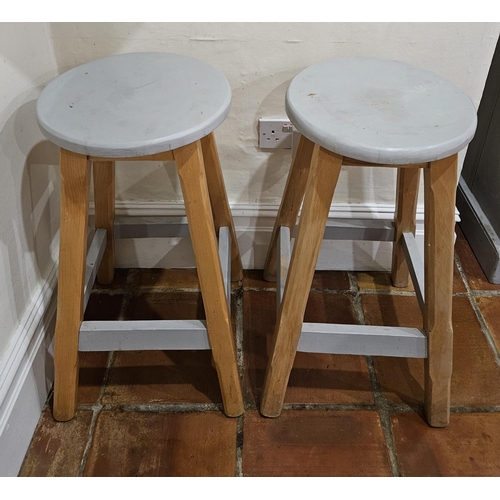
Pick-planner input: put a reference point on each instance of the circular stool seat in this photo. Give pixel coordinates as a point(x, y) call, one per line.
point(380, 111)
point(133, 105)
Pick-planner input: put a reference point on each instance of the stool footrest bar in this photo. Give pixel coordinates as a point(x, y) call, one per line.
point(363, 340)
point(225, 260)
point(282, 264)
point(93, 261)
point(415, 266)
point(177, 227)
point(143, 335)
point(151, 227)
point(358, 229)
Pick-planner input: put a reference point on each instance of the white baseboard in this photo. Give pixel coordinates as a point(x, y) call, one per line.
point(253, 226)
point(482, 237)
point(26, 376)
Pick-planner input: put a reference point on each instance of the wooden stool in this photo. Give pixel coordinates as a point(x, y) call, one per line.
point(141, 106)
point(371, 112)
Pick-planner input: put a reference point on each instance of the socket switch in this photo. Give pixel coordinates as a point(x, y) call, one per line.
point(275, 133)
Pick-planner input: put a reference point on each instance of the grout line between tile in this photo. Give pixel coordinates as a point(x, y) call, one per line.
point(239, 446)
point(478, 293)
point(384, 410)
point(386, 424)
point(132, 279)
point(110, 292)
point(477, 311)
point(96, 411)
point(208, 407)
point(471, 409)
point(258, 289)
point(238, 296)
point(332, 291)
point(357, 302)
point(392, 407)
point(485, 293)
point(159, 289)
point(144, 289)
point(403, 407)
point(381, 404)
point(386, 292)
point(341, 291)
point(328, 407)
point(163, 407)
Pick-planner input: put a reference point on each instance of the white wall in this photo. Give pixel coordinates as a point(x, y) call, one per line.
point(260, 59)
point(28, 187)
point(29, 223)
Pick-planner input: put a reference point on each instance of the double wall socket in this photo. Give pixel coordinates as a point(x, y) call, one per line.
point(275, 133)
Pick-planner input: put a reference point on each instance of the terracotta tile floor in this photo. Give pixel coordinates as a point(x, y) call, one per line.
point(159, 413)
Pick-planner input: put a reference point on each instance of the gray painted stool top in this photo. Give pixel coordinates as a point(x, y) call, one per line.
point(133, 104)
point(380, 111)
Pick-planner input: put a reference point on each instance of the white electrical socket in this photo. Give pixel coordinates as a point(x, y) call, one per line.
point(275, 133)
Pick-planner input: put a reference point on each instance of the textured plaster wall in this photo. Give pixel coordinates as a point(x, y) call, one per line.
point(260, 59)
point(28, 186)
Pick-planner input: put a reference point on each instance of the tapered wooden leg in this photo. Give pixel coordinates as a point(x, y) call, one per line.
point(219, 202)
point(406, 207)
point(104, 198)
point(75, 173)
point(440, 181)
point(323, 176)
point(189, 161)
point(290, 202)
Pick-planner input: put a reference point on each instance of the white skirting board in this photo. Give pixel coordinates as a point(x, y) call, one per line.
point(26, 376)
point(26, 368)
point(478, 230)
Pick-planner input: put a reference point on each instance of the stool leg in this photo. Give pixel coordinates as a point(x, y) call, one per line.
point(75, 174)
point(189, 161)
point(406, 207)
point(104, 198)
point(219, 202)
point(325, 169)
point(440, 181)
point(291, 201)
